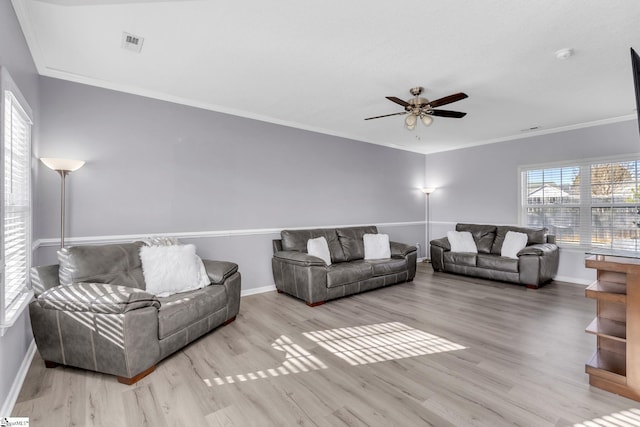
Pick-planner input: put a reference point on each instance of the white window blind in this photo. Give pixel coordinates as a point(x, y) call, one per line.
point(553, 201)
point(591, 204)
point(16, 212)
point(615, 214)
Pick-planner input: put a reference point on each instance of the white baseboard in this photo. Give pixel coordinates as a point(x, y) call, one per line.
point(254, 291)
point(8, 404)
point(575, 280)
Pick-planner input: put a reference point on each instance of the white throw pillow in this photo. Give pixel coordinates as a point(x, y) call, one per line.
point(320, 248)
point(462, 241)
point(376, 246)
point(172, 269)
point(513, 243)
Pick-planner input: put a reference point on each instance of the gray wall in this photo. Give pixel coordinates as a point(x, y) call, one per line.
point(15, 56)
point(225, 183)
point(480, 184)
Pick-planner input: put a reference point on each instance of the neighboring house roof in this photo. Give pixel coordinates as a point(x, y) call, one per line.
point(549, 190)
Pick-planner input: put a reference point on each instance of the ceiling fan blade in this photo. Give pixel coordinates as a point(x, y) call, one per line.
point(448, 113)
point(397, 101)
point(386, 115)
point(448, 99)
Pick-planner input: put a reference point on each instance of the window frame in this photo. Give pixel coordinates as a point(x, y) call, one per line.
point(10, 314)
point(585, 205)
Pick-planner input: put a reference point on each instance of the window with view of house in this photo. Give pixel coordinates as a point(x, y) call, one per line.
point(589, 204)
point(16, 202)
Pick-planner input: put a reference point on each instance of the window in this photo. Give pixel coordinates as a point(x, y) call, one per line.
point(16, 203)
point(590, 204)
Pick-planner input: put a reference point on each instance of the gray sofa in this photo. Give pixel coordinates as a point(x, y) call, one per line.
point(104, 320)
point(308, 277)
point(537, 263)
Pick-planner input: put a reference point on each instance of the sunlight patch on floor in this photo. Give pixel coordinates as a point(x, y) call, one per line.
point(628, 418)
point(297, 360)
point(361, 345)
point(357, 345)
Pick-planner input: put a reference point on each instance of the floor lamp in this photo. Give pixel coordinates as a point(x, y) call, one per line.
point(428, 191)
point(63, 167)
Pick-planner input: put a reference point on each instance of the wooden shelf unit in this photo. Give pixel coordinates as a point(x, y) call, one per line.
point(615, 365)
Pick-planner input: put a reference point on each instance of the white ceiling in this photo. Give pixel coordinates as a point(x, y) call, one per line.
point(325, 65)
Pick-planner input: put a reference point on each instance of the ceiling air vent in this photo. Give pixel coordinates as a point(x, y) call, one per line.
point(132, 42)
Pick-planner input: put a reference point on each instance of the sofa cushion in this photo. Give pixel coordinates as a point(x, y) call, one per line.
point(460, 258)
point(351, 240)
point(296, 240)
point(483, 235)
point(534, 235)
point(116, 264)
point(178, 311)
point(494, 262)
point(382, 267)
point(348, 272)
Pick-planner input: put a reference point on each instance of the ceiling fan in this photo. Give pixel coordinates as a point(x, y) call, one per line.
point(422, 108)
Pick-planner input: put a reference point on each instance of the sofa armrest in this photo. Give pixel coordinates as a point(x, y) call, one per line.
point(538, 264)
point(276, 245)
point(233, 287)
point(539, 249)
point(299, 258)
point(219, 271)
point(401, 250)
point(44, 277)
point(300, 275)
point(441, 243)
point(437, 258)
point(100, 298)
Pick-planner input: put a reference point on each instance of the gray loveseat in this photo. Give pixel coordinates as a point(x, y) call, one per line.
point(308, 277)
point(104, 320)
point(537, 263)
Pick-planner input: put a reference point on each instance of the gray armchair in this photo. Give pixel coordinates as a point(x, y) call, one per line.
point(103, 320)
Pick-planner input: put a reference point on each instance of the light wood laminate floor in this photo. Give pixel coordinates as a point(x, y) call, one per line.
point(443, 350)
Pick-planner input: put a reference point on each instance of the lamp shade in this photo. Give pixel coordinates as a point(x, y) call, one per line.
point(56, 164)
point(426, 119)
point(428, 190)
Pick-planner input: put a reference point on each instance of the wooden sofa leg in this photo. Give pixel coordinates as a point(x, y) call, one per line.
point(49, 364)
point(279, 291)
point(314, 304)
point(532, 286)
point(135, 379)
point(229, 321)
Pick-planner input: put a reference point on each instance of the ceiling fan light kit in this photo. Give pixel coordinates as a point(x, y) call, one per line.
point(426, 119)
point(422, 108)
point(410, 122)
